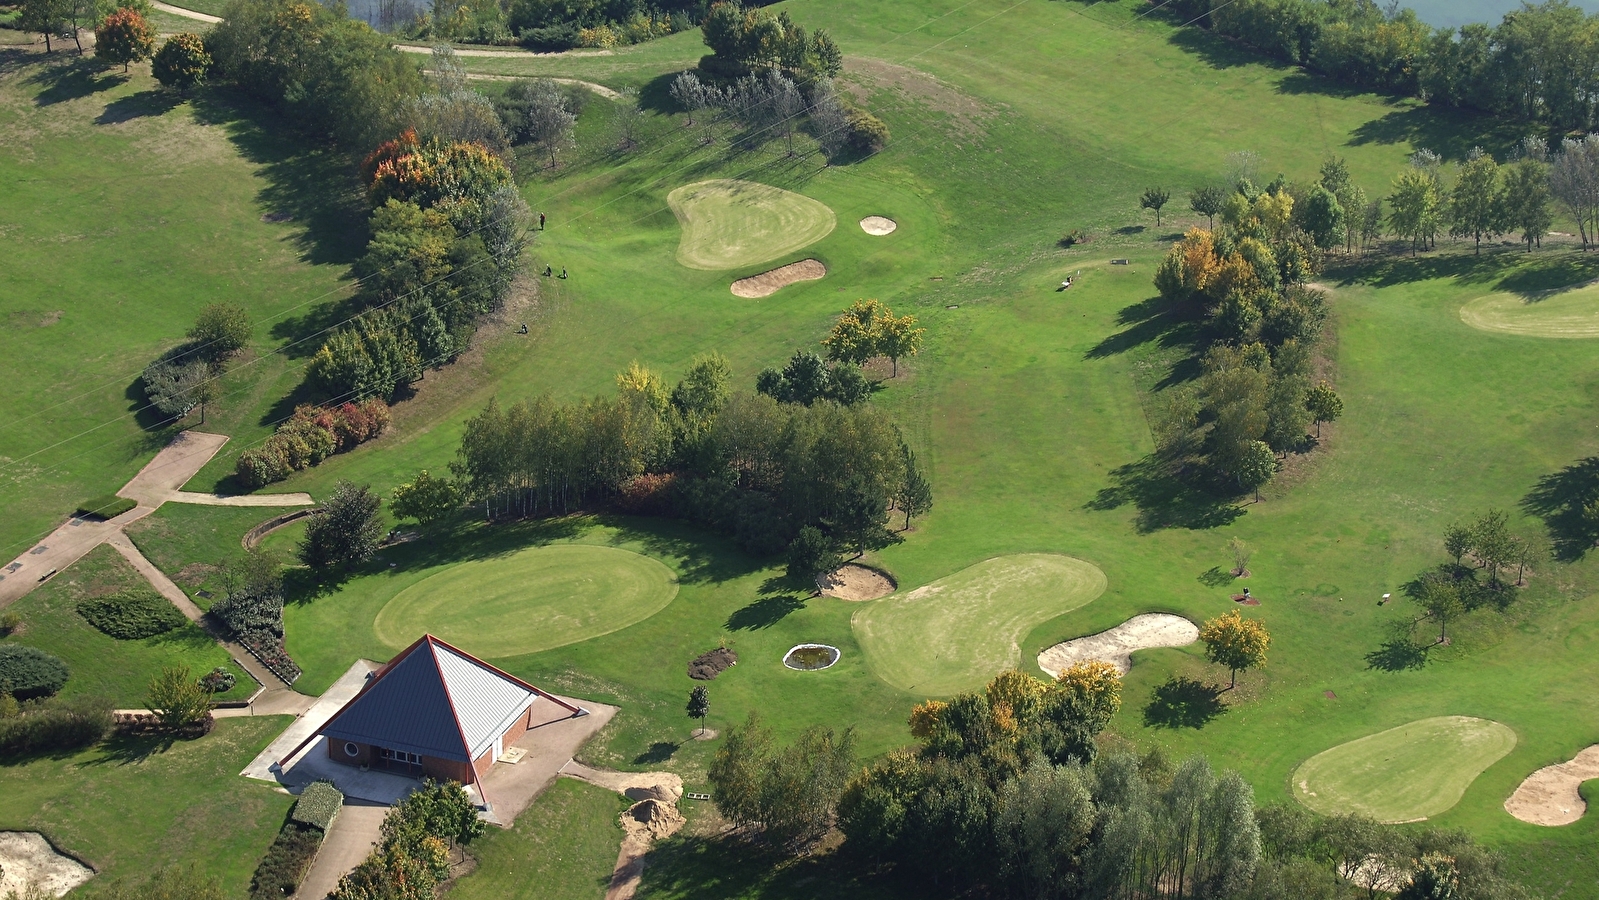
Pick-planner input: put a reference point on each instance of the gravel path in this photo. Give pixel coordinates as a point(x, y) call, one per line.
point(185, 13)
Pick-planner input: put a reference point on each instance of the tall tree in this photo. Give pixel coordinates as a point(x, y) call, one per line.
point(1324, 404)
point(124, 37)
point(688, 92)
point(1155, 198)
point(346, 530)
point(1441, 599)
point(1526, 200)
point(1235, 642)
point(915, 494)
point(1208, 202)
point(1256, 467)
point(547, 120)
point(1477, 206)
point(699, 705)
point(898, 337)
point(46, 17)
point(857, 334)
point(1416, 208)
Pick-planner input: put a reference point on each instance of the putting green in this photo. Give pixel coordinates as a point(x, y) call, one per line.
point(958, 632)
point(1404, 774)
point(1570, 313)
point(532, 600)
point(729, 224)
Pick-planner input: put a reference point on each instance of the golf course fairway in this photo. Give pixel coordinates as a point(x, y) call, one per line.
point(1404, 774)
point(1558, 314)
point(958, 632)
point(529, 601)
point(728, 224)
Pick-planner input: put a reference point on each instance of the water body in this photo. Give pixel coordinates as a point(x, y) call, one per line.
point(1454, 13)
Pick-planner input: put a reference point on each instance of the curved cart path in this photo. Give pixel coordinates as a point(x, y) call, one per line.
point(501, 54)
point(185, 13)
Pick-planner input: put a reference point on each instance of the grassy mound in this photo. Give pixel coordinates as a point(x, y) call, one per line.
point(728, 223)
point(1406, 773)
point(132, 614)
point(956, 633)
point(532, 600)
point(1560, 314)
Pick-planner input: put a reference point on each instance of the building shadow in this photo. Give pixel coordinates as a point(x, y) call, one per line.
point(1184, 703)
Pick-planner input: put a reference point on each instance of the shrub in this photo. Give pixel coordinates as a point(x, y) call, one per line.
point(318, 804)
point(177, 699)
point(55, 725)
point(647, 495)
point(285, 863)
point(10, 621)
point(132, 614)
point(181, 63)
point(218, 681)
point(245, 611)
point(259, 467)
point(346, 531)
point(309, 436)
point(105, 506)
point(28, 672)
point(867, 133)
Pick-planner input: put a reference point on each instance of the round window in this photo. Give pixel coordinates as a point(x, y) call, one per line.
point(350, 749)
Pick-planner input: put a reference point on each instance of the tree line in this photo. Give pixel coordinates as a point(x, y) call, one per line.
point(1540, 63)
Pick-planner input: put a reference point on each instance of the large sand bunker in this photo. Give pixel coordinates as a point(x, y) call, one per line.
point(728, 224)
point(1116, 645)
point(1549, 796)
point(1569, 313)
point(855, 582)
point(768, 283)
point(26, 858)
point(878, 225)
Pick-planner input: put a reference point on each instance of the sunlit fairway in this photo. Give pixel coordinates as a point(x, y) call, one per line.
point(528, 601)
point(1403, 774)
point(728, 223)
point(956, 633)
point(1570, 313)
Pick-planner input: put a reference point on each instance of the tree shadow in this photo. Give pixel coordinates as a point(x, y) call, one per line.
point(1549, 275)
point(1153, 320)
point(1130, 229)
point(1184, 703)
point(151, 103)
point(701, 557)
point(1558, 499)
point(765, 612)
point(655, 95)
point(729, 866)
point(1215, 576)
point(1451, 133)
point(656, 753)
point(1163, 499)
point(1216, 51)
point(72, 80)
point(130, 749)
point(1398, 655)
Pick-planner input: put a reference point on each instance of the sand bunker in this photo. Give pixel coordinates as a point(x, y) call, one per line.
point(768, 283)
point(1549, 796)
point(853, 582)
point(1116, 646)
point(878, 225)
point(1566, 313)
point(26, 858)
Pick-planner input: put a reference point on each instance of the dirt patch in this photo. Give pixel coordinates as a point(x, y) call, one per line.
point(644, 823)
point(26, 858)
point(1549, 796)
point(194, 574)
point(708, 665)
point(1116, 646)
point(878, 225)
point(768, 283)
point(864, 75)
point(1246, 599)
point(855, 582)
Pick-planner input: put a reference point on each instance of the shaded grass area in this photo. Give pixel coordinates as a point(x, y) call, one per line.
point(563, 847)
point(192, 544)
point(100, 665)
point(130, 805)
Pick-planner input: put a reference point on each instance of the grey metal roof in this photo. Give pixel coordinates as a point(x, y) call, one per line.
point(432, 701)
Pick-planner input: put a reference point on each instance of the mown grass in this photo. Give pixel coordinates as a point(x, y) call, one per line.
point(563, 847)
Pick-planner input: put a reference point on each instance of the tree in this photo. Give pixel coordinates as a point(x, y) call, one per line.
point(830, 122)
point(736, 770)
point(1526, 201)
point(861, 516)
point(1256, 467)
point(425, 498)
point(176, 388)
point(1324, 404)
point(1492, 542)
point(787, 105)
point(1371, 219)
point(1154, 198)
point(699, 705)
point(857, 333)
point(627, 117)
point(1208, 202)
point(1235, 642)
point(181, 63)
point(124, 37)
point(441, 809)
point(221, 330)
point(810, 554)
point(346, 531)
point(1457, 541)
point(177, 698)
point(547, 121)
point(1240, 553)
point(1441, 599)
point(1574, 181)
point(46, 17)
point(1433, 877)
point(915, 495)
point(898, 336)
point(1416, 208)
point(1477, 207)
point(84, 15)
point(1322, 217)
point(1334, 175)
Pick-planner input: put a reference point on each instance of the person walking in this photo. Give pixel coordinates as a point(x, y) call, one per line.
point(541, 221)
point(563, 271)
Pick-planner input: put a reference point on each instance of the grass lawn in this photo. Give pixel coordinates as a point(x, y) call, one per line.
point(1404, 774)
point(193, 543)
point(1558, 314)
point(131, 805)
point(562, 848)
point(529, 601)
point(729, 224)
point(103, 666)
point(954, 634)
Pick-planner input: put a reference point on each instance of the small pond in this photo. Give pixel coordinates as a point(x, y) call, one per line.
point(810, 657)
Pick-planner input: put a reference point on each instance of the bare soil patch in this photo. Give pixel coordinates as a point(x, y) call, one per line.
point(864, 75)
point(856, 582)
point(1549, 796)
point(1116, 646)
point(878, 225)
point(26, 858)
point(769, 283)
point(708, 665)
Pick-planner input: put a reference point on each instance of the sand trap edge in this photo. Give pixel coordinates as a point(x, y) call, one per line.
point(1117, 645)
point(877, 226)
point(770, 282)
point(1551, 796)
point(856, 583)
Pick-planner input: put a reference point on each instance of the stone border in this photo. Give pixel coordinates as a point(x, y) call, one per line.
point(837, 655)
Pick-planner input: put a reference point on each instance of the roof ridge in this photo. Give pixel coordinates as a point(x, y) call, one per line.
point(496, 670)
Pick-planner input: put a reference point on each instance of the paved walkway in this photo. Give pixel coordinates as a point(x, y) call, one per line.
point(355, 831)
point(503, 53)
point(198, 499)
point(316, 713)
point(600, 89)
point(186, 13)
point(550, 746)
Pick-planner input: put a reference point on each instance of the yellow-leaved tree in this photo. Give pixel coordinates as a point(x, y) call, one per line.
point(1235, 642)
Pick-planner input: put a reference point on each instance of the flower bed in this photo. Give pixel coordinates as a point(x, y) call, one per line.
point(268, 649)
point(137, 724)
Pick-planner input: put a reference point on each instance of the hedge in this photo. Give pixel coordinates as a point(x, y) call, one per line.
point(132, 614)
point(318, 804)
point(48, 725)
point(27, 673)
point(285, 862)
point(105, 506)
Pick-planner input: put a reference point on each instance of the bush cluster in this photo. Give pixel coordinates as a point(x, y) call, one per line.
point(181, 63)
point(187, 375)
point(48, 725)
point(218, 681)
point(28, 673)
point(311, 435)
point(279, 873)
point(253, 611)
point(132, 614)
point(413, 856)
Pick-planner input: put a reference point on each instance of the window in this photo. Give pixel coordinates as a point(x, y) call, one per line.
point(350, 749)
point(402, 757)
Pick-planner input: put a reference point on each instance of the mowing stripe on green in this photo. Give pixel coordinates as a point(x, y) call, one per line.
point(1556, 314)
point(1404, 774)
point(728, 224)
point(955, 634)
point(531, 600)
